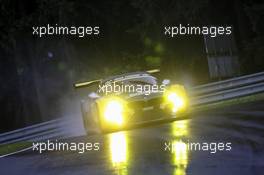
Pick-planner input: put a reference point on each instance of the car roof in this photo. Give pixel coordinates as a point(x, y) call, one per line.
point(126, 76)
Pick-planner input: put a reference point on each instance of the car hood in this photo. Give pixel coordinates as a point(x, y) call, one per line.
point(142, 96)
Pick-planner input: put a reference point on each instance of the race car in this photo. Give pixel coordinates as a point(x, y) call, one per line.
point(123, 100)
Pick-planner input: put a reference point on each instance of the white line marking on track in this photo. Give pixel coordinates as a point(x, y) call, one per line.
point(16, 152)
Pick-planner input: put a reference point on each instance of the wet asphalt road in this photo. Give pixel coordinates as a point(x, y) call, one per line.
point(143, 151)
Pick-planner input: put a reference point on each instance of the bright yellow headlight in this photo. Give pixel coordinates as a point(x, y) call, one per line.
point(176, 98)
point(114, 111)
point(176, 101)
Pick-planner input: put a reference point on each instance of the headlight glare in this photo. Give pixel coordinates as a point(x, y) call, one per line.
point(176, 101)
point(114, 112)
point(175, 98)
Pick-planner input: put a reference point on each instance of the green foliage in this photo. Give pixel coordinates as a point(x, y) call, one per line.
point(147, 42)
point(153, 61)
point(159, 48)
point(9, 148)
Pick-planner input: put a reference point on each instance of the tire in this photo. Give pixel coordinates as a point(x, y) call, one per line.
point(95, 117)
point(89, 116)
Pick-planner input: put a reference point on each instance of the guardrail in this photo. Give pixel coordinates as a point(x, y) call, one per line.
point(228, 84)
point(229, 94)
point(203, 94)
point(45, 130)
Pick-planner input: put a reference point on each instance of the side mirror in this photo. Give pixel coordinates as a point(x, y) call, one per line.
point(166, 82)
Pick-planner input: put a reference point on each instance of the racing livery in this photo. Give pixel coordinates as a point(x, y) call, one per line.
point(130, 98)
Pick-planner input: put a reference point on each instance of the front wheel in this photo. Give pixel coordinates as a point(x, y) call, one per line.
point(90, 117)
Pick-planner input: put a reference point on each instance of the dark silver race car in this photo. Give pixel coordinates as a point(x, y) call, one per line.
point(127, 99)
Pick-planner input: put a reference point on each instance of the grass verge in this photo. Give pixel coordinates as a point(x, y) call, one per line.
point(13, 147)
